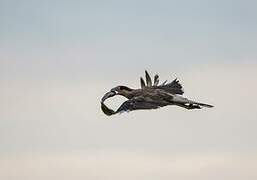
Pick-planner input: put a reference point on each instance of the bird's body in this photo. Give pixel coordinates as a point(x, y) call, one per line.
point(151, 96)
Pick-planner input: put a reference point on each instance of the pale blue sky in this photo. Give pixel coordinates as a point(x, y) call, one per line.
point(111, 34)
point(57, 58)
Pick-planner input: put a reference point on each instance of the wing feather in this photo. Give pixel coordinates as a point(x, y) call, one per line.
point(173, 87)
point(142, 82)
point(148, 79)
point(136, 104)
point(156, 80)
point(164, 83)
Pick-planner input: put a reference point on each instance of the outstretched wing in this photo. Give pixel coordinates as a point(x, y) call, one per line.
point(173, 87)
point(138, 103)
point(107, 110)
point(149, 80)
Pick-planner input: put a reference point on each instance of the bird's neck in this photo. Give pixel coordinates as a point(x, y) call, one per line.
point(129, 94)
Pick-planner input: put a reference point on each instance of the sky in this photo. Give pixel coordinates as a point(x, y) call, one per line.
point(58, 58)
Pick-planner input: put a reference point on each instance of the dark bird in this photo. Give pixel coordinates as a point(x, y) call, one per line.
point(151, 96)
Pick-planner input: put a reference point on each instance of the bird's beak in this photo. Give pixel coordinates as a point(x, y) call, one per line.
point(108, 95)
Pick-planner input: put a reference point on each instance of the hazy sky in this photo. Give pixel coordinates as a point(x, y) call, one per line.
point(57, 59)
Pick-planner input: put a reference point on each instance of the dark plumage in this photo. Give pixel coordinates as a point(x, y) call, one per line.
point(151, 96)
point(148, 79)
point(156, 80)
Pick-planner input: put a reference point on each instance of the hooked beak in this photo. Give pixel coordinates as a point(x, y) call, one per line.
point(108, 95)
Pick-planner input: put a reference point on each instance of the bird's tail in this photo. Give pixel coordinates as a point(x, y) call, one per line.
point(201, 104)
point(205, 105)
point(181, 100)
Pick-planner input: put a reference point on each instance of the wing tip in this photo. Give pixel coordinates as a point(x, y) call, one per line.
point(148, 79)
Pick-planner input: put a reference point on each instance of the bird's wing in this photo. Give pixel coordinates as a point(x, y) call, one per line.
point(107, 110)
point(148, 79)
point(138, 103)
point(156, 80)
point(173, 87)
point(142, 82)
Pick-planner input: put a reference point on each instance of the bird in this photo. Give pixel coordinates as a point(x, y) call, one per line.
point(151, 95)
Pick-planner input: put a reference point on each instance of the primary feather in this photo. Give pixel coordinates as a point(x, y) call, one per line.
point(148, 79)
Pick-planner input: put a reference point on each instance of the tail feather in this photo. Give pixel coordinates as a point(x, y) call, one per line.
point(204, 105)
point(198, 103)
point(182, 100)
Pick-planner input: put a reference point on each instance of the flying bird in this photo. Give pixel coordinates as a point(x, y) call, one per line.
point(151, 95)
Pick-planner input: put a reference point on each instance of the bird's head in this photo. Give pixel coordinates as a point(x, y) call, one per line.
point(118, 90)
